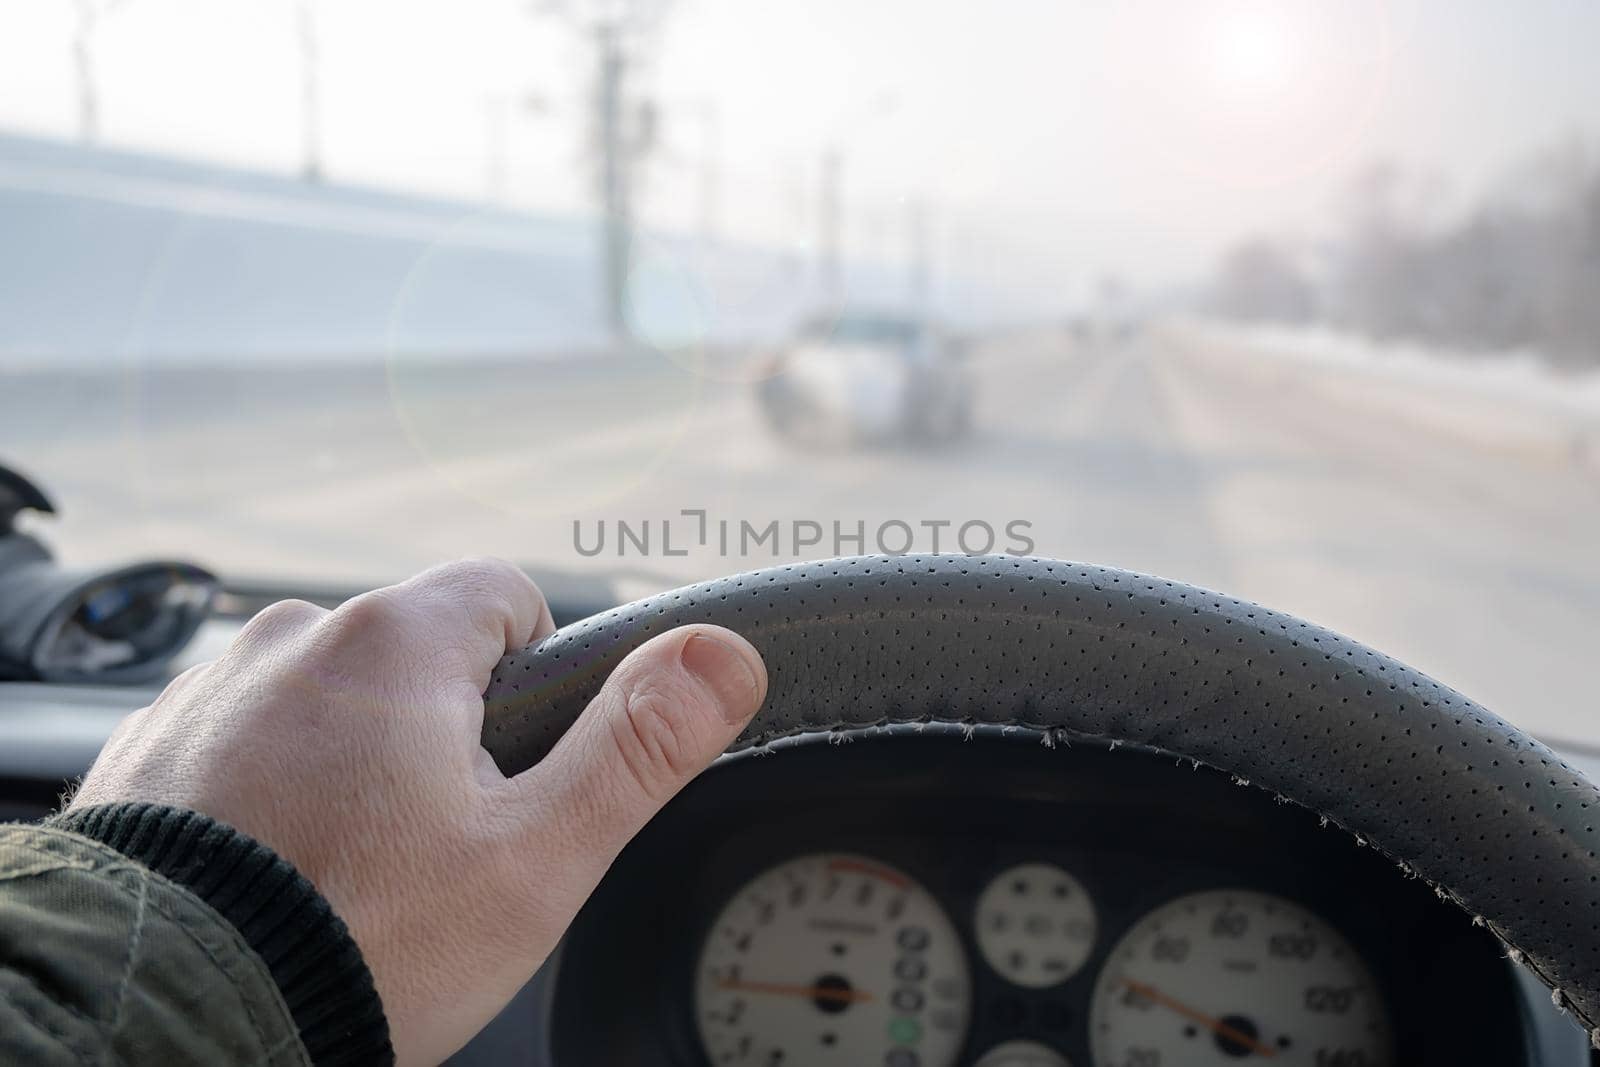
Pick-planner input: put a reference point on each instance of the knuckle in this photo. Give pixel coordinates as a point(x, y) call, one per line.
point(655, 733)
point(282, 615)
point(493, 603)
point(493, 592)
point(374, 611)
point(485, 574)
point(499, 570)
point(505, 582)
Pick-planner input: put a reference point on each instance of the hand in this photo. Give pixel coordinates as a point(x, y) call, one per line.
point(349, 742)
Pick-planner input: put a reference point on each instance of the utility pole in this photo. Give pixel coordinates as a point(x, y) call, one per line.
point(919, 270)
point(90, 12)
point(710, 161)
point(615, 202)
point(310, 95)
point(83, 67)
point(829, 221)
point(626, 132)
point(623, 132)
point(830, 192)
point(497, 122)
point(798, 208)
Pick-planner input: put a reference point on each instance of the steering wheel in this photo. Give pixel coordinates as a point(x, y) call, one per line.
point(1453, 794)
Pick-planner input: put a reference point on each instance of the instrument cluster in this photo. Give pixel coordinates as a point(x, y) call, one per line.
point(924, 901)
point(836, 958)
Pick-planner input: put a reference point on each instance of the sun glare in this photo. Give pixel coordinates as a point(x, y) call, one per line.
point(1254, 50)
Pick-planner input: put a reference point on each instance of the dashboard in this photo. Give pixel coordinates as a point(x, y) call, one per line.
point(938, 896)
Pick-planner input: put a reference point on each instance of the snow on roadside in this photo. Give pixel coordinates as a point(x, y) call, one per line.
point(1522, 378)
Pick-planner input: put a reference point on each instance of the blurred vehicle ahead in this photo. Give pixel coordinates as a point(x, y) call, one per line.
point(868, 377)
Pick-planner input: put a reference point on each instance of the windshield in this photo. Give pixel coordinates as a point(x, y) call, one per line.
point(1293, 300)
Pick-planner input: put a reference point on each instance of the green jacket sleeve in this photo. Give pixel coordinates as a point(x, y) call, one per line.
point(135, 934)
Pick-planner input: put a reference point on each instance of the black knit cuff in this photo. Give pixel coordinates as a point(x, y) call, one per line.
point(305, 946)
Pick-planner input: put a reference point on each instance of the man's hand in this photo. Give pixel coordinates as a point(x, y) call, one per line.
point(349, 742)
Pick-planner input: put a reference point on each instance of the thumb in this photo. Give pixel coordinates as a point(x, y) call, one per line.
point(670, 708)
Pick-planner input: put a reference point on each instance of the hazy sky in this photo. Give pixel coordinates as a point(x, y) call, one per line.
point(1061, 138)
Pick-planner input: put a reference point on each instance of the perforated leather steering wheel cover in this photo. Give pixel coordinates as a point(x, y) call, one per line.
point(1451, 792)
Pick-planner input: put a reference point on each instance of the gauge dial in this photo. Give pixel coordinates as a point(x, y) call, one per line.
point(1022, 1054)
point(1035, 924)
point(832, 959)
point(1226, 975)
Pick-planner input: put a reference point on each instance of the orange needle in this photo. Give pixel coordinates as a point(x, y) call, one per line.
point(810, 992)
point(1216, 1026)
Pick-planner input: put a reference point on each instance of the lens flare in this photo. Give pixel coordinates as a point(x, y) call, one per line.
point(717, 312)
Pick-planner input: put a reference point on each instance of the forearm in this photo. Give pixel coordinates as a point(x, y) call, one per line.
point(138, 934)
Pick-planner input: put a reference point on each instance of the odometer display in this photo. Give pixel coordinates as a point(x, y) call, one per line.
point(832, 959)
point(1230, 975)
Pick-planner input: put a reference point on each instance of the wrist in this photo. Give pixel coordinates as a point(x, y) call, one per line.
point(307, 949)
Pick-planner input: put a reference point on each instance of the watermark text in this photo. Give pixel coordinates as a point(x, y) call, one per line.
point(695, 530)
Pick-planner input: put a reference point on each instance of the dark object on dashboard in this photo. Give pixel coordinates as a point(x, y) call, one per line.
point(18, 494)
point(62, 624)
point(1488, 816)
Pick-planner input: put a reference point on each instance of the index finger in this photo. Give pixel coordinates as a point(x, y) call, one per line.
point(485, 607)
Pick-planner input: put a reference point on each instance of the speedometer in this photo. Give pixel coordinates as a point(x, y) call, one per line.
point(1227, 975)
point(832, 959)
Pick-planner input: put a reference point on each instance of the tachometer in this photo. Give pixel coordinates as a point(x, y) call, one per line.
point(1226, 975)
point(832, 959)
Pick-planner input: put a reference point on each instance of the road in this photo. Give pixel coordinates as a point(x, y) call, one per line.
point(1464, 545)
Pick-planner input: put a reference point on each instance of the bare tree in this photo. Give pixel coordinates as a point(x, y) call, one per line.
point(1519, 268)
point(1260, 280)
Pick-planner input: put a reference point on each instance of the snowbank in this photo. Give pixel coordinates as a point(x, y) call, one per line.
point(1513, 404)
point(1520, 377)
